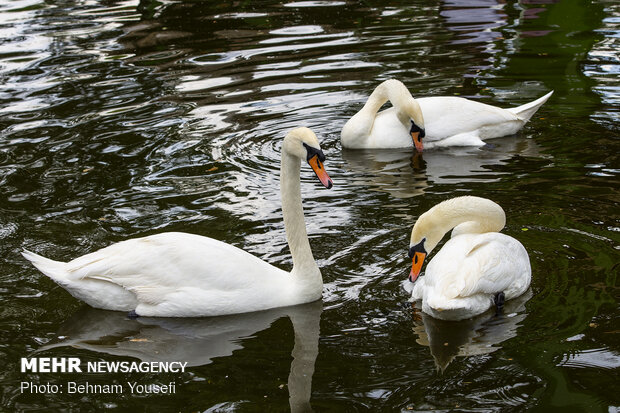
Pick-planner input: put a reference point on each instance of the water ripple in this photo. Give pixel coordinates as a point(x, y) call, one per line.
point(127, 118)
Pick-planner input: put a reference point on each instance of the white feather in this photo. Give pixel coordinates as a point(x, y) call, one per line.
point(177, 274)
point(447, 120)
point(464, 276)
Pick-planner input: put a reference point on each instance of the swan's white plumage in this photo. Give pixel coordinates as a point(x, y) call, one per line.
point(447, 120)
point(177, 274)
point(171, 273)
point(464, 276)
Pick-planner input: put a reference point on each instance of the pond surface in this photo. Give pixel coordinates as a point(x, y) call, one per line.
point(122, 119)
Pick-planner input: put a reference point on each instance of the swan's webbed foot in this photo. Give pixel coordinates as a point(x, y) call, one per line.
point(416, 315)
point(132, 315)
point(499, 300)
point(415, 312)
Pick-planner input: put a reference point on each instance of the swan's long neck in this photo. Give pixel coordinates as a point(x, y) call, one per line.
point(469, 213)
point(292, 209)
point(398, 94)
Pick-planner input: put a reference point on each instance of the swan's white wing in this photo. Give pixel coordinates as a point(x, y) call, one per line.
point(472, 264)
point(168, 260)
point(487, 266)
point(184, 269)
point(446, 117)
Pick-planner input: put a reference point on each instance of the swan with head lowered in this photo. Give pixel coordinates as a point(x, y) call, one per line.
point(478, 267)
point(175, 274)
point(430, 122)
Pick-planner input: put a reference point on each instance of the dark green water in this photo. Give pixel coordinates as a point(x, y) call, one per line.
point(122, 119)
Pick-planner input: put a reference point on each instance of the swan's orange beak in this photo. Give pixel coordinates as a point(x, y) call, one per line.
point(416, 265)
point(417, 141)
point(317, 166)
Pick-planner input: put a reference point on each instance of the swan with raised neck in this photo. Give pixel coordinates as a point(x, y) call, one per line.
point(175, 274)
point(290, 188)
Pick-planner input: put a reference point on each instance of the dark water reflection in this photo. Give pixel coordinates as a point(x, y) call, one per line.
point(476, 336)
point(126, 118)
point(196, 342)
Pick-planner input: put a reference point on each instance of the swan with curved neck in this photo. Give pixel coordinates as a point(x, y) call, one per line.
point(475, 268)
point(430, 122)
point(176, 274)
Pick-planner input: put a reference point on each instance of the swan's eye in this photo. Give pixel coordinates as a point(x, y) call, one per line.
point(415, 128)
point(419, 247)
point(311, 152)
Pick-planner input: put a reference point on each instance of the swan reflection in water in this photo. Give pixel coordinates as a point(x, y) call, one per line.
point(476, 336)
point(403, 174)
point(196, 341)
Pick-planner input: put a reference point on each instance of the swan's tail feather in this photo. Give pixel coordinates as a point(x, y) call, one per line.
point(525, 112)
point(99, 293)
point(56, 270)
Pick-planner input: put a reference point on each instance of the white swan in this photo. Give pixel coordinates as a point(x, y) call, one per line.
point(176, 274)
point(476, 268)
point(441, 121)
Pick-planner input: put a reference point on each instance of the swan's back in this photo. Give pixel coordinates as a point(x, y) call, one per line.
point(170, 259)
point(447, 116)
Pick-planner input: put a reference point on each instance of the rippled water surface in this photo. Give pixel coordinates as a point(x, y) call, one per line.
point(124, 118)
